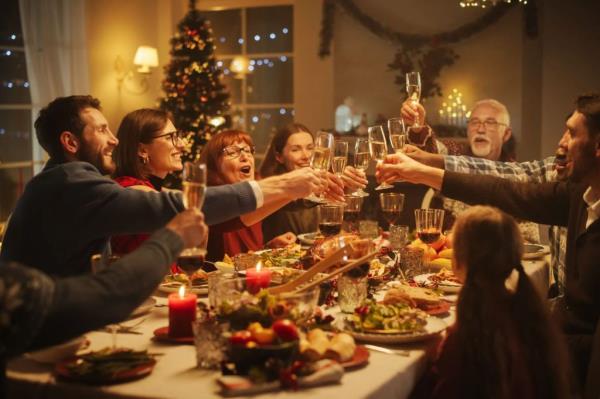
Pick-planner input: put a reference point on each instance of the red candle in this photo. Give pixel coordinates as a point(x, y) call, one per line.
point(182, 312)
point(257, 278)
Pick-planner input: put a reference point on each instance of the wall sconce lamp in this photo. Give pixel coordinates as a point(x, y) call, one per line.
point(240, 66)
point(146, 57)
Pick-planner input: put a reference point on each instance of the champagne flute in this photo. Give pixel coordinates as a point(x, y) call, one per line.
point(340, 157)
point(194, 188)
point(321, 158)
point(378, 149)
point(362, 155)
point(397, 132)
point(413, 87)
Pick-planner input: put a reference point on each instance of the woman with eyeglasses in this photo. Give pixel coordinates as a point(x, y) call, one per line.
point(229, 158)
point(150, 148)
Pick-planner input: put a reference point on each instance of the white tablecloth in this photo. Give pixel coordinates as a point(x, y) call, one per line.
point(176, 375)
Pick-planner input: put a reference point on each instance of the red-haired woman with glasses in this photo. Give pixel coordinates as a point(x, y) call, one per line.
point(229, 158)
point(150, 148)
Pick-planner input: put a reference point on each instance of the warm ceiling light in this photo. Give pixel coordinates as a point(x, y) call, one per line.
point(146, 57)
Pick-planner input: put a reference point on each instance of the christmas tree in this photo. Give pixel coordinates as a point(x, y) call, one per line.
point(194, 94)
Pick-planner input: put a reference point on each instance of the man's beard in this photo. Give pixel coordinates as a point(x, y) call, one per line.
point(585, 164)
point(481, 149)
point(86, 154)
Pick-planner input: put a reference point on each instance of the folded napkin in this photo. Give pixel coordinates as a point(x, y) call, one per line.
point(328, 371)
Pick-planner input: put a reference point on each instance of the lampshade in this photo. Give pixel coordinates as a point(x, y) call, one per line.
point(146, 57)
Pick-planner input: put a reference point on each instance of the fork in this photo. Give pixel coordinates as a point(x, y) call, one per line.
point(127, 329)
point(381, 349)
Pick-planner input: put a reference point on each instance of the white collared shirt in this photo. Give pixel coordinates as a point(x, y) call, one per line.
point(593, 202)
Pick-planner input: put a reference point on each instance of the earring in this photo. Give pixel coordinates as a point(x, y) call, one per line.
point(145, 159)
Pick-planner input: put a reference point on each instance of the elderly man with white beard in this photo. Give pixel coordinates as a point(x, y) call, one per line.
point(490, 137)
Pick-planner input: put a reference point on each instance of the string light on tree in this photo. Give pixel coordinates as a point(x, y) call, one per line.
point(486, 3)
point(454, 110)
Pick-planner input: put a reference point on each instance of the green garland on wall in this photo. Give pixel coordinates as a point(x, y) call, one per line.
point(428, 54)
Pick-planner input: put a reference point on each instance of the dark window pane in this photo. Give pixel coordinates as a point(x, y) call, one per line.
point(14, 86)
point(234, 85)
point(263, 123)
point(12, 182)
point(271, 80)
point(270, 29)
point(10, 24)
point(227, 30)
point(15, 135)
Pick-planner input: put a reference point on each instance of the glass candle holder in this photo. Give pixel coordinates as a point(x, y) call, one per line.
point(352, 292)
point(210, 342)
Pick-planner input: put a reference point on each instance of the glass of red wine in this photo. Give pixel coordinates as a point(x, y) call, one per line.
point(391, 205)
point(352, 208)
point(194, 186)
point(429, 224)
point(330, 218)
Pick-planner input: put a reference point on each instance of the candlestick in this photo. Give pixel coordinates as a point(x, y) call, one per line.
point(257, 278)
point(182, 312)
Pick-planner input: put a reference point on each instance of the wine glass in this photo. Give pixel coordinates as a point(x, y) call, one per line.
point(413, 87)
point(378, 149)
point(321, 158)
point(429, 224)
point(397, 132)
point(330, 218)
point(194, 187)
point(352, 208)
point(340, 157)
point(392, 205)
point(362, 155)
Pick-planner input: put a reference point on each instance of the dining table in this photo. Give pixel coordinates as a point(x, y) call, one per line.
point(176, 375)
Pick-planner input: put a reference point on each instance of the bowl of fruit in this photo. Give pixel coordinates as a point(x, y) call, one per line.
point(258, 349)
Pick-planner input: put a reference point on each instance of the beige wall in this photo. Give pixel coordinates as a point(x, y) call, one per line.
point(536, 79)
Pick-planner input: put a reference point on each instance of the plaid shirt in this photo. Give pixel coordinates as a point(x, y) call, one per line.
point(531, 171)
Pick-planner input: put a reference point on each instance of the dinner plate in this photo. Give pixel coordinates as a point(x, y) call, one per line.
point(534, 251)
point(307, 238)
point(174, 287)
point(359, 359)
point(433, 327)
point(447, 288)
point(63, 371)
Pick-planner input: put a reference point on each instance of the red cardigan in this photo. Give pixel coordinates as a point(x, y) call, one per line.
point(122, 245)
point(232, 238)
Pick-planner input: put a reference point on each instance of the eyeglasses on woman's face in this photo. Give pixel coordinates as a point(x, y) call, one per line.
point(175, 136)
point(233, 151)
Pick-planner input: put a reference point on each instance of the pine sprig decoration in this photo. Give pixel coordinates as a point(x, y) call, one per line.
point(194, 93)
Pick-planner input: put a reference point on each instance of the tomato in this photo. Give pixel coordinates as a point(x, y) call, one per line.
point(286, 330)
point(264, 336)
point(242, 337)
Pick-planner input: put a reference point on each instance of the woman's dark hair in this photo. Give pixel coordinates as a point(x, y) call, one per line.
point(270, 166)
point(214, 149)
point(490, 318)
point(62, 114)
point(139, 126)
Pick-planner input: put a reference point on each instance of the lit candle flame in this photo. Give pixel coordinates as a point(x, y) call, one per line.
point(182, 291)
point(259, 266)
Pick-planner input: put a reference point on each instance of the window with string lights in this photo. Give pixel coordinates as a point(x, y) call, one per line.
point(16, 165)
point(255, 51)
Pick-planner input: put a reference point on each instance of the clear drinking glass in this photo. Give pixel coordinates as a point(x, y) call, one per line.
point(330, 218)
point(391, 205)
point(210, 342)
point(352, 208)
point(411, 260)
point(378, 149)
point(352, 292)
point(397, 132)
point(321, 158)
point(362, 156)
point(194, 188)
point(429, 224)
point(340, 157)
point(398, 240)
